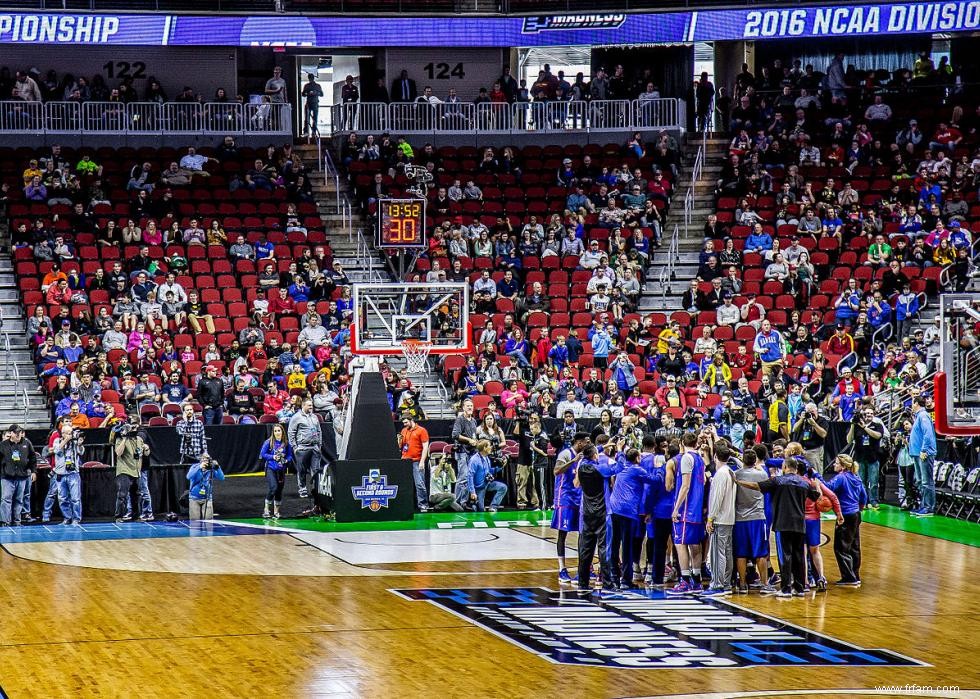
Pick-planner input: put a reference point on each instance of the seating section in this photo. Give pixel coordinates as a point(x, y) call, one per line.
point(277, 217)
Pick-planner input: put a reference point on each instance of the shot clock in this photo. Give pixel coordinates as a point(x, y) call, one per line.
point(401, 223)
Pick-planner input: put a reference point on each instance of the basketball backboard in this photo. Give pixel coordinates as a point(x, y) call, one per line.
point(388, 315)
point(957, 382)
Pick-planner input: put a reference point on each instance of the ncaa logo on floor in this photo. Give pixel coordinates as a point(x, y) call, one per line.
point(646, 631)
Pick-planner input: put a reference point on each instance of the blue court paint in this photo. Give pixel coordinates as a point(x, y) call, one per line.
point(108, 531)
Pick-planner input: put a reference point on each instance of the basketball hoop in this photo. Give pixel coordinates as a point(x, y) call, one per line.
point(415, 352)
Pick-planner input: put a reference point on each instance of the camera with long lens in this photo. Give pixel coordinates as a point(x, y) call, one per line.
point(693, 419)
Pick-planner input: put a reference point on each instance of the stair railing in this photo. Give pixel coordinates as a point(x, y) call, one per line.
point(667, 272)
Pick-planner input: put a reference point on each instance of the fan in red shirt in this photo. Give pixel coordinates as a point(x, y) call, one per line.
point(840, 343)
point(282, 304)
point(274, 399)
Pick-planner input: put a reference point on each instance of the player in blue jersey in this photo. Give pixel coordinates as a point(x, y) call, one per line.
point(688, 517)
point(567, 498)
point(658, 505)
point(773, 465)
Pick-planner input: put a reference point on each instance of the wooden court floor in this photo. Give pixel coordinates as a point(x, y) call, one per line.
point(67, 630)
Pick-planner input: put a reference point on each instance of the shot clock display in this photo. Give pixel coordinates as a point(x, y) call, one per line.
point(401, 223)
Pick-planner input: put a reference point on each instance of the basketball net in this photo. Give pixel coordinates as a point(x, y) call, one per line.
point(416, 352)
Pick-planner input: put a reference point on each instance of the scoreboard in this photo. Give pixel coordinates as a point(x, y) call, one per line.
point(401, 223)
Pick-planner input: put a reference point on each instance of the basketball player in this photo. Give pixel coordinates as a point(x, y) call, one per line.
point(721, 522)
point(658, 507)
point(591, 477)
point(789, 495)
point(625, 503)
point(567, 498)
point(688, 517)
point(750, 537)
point(812, 516)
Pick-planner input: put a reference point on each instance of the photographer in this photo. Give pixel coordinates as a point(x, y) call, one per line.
point(811, 432)
point(532, 460)
point(275, 455)
point(630, 432)
point(18, 466)
point(128, 448)
point(68, 448)
point(441, 479)
point(480, 480)
point(565, 433)
point(867, 434)
point(200, 502)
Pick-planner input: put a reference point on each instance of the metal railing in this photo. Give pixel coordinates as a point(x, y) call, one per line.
point(330, 172)
point(144, 118)
point(6, 354)
point(342, 202)
point(896, 397)
point(667, 273)
point(466, 117)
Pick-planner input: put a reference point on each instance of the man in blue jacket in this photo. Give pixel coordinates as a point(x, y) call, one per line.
point(601, 345)
point(922, 449)
point(769, 346)
point(201, 493)
point(758, 240)
point(625, 507)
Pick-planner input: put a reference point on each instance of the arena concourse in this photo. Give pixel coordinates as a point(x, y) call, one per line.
point(607, 350)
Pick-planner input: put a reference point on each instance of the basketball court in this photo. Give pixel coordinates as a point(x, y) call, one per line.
point(456, 605)
point(464, 605)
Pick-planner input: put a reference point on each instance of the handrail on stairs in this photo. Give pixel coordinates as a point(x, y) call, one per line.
point(342, 201)
point(667, 271)
point(6, 354)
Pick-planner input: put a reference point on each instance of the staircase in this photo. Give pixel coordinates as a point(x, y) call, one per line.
point(20, 400)
point(360, 261)
point(665, 286)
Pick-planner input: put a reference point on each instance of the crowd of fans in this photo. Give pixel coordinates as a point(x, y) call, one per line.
point(135, 280)
point(606, 84)
point(836, 220)
point(31, 85)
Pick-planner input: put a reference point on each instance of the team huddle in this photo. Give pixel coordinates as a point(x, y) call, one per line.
point(707, 514)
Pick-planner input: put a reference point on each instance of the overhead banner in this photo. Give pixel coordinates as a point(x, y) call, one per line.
point(538, 30)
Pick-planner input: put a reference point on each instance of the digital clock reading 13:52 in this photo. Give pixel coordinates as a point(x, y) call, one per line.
point(401, 223)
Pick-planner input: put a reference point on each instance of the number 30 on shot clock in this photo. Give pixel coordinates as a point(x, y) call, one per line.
point(401, 223)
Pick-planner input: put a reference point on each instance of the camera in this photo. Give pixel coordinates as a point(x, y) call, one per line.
point(692, 419)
